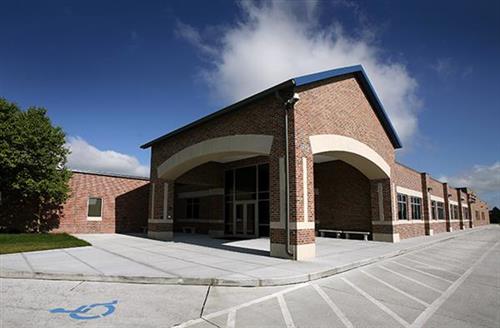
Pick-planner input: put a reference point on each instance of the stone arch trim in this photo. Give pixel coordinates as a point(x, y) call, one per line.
point(212, 150)
point(352, 151)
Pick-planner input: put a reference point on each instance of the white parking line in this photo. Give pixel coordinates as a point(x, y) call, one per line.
point(231, 319)
point(424, 316)
point(418, 300)
point(377, 303)
point(240, 306)
point(410, 279)
point(432, 266)
point(285, 312)
point(441, 260)
point(422, 272)
point(334, 307)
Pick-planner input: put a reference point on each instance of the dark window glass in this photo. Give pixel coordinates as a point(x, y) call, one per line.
point(416, 208)
point(402, 209)
point(264, 218)
point(228, 218)
point(246, 181)
point(264, 178)
point(433, 210)
point(440, 211)
point(95, 207)
point(193, 208)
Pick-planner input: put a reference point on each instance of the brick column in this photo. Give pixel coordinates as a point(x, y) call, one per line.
point(383, 200)
point(447, 214)
point(161, 212)
point(426, 204)
point(301, 196)
point(461, 209)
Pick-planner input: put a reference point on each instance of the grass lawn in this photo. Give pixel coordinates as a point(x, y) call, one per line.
point(26, 242)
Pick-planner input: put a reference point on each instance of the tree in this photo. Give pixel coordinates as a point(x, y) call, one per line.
point(33, 177)
point(495, 215)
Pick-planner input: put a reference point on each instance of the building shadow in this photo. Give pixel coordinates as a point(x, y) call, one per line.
point(131, 211)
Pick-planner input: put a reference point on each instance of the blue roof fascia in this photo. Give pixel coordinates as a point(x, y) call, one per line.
point(359, 72)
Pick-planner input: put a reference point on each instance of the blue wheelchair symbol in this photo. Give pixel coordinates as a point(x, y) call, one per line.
point(82, 312)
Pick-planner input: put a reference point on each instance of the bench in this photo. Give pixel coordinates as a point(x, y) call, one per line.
point(364, 233)
point(323, 231)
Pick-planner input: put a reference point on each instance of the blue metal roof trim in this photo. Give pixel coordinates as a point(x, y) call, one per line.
point(359, 71)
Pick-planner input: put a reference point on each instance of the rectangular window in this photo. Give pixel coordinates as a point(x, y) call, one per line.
point(440, 211)
point(433, 210)
point(402, 209)
point(482, 216)
point(466, 213)
point(192, 208)
point(416, 208)
point(477, 215)
point(454, 212)
point(94, 209)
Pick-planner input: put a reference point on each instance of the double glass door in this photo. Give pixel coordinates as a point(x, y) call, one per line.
point(245, 218)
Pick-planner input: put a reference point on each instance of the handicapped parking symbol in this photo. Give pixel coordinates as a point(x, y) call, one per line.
point(82, 312)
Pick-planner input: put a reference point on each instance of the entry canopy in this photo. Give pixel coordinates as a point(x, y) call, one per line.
point(353, 152)
point(215, 149)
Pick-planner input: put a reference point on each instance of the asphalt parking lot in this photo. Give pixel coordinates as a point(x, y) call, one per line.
point(455, 283)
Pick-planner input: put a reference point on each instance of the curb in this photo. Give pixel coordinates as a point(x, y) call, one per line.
point(223, 282)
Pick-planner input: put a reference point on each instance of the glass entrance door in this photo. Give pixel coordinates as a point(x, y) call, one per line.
point(245, 219)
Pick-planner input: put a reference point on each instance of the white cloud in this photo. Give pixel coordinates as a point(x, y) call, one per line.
point(483, 179)
point(274, 41)
point(86, 157)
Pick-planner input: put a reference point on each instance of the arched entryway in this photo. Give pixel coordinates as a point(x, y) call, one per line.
point(347, 174)
point(219, 186)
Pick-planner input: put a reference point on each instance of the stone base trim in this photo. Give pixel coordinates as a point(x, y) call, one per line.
point(390, 237)
point(300, 252)
point(216, 233)
point(161, 235)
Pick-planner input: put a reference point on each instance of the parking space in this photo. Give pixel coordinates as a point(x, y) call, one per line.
point(455, 283)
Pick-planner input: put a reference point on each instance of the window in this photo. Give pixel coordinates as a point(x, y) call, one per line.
point(416, 208)
point(193, 208)
point(454, 212)
point(482, 216)
point(433, 210)
point(477, 215)
point(94, 210)
point(440, 210)
point(402, 209)
point(466, 213)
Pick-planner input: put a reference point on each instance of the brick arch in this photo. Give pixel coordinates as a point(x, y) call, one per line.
point(212, 150)
point(353, 152)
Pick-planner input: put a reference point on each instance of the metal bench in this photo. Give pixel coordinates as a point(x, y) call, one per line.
point(364, 233)
point(323, 231)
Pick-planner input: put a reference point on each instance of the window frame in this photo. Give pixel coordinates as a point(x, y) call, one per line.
point(414, 205)
point(402, 202)
point(192, 203)
point(94, 218)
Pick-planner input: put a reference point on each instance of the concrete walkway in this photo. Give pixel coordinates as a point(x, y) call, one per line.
point(200, 260)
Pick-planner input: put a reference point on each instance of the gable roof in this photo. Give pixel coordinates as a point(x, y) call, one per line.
point(356, 70)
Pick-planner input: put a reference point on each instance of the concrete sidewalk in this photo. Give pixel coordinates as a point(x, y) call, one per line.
point(200, 260)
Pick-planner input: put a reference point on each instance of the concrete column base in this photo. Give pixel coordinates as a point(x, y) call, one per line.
point(390, 237)
point(216, 233)
point(300, 252)
point(161, 235)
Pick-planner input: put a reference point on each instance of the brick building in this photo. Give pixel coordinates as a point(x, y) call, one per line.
point(104, 203)
point(314, 152)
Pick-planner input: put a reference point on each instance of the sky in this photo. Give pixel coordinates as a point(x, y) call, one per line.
point(116, 74)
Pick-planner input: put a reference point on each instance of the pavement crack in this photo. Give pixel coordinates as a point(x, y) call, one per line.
point(205, 301)
point(77, 285)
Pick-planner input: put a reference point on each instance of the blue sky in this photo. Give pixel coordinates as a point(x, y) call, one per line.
point(115, 74)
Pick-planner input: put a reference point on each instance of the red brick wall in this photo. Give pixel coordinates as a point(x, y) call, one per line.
point(482, 209)
point(410, 230)
point(344, 197)
point(405, 177)
point(124, 204)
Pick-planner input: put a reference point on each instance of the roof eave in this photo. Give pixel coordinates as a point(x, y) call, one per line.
point(239, 104)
